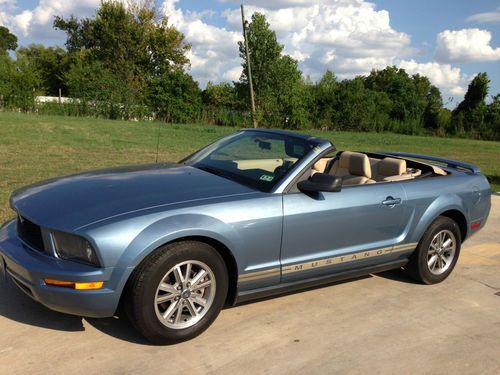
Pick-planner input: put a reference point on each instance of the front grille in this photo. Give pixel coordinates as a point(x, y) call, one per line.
point(30, 233)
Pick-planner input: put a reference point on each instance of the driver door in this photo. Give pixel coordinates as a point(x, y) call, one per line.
point(329, 232)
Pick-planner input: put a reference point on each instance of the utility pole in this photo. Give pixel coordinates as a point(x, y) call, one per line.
point(249, 68)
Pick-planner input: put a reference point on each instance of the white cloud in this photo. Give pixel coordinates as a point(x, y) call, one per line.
point(6, 4)
point(449, 79)
point(274, 4)
point(36, 23)
point(347, 36)
point(233, 74)
point(487, 17)
point(6, 9)
point(465, 45)
point(350, 37)
point(214, 55)
point(359, 66)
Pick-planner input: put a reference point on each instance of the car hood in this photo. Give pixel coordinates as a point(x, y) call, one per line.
point(70, 202)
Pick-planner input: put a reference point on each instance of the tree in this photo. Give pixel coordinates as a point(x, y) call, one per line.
point(359, 108)
point(99, 91)
point(7, 70)
point(265, 51)
point(444, 122)
point(19, 83)
point(222, 105)
point(175, 97)
point(492, 119)
point(432, 109)
point(408, 94)
point(277, 81)
point(127, 37)
point(324, 95)
point(222, 95)
point(469, 114)
point(51, 63)
point(288, 96)
point(132, 45)
point(8, 41)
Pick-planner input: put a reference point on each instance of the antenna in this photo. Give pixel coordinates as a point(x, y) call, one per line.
point(158, 142)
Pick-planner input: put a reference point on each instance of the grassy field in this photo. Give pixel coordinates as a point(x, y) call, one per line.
point(33, 148)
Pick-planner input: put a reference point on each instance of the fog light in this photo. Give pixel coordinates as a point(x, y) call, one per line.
point(75, 285)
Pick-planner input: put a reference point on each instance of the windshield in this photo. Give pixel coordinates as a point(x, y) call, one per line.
point(253, 158)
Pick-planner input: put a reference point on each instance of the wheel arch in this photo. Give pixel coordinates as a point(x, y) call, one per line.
point(459, 218)
point(183, 227)
point(223, 250)
point(227, 256)
point(448, 205)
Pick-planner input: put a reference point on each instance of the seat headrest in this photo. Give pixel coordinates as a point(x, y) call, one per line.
point(344, 159)
point(359, 165)
point(392, 167)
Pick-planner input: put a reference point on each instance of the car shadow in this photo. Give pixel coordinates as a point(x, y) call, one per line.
point(118, 327)
point(398, 275)
point(17, 306)
point(288, 293)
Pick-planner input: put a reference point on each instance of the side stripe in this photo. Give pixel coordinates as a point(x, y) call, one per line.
point(252, 276)
point(347, 258)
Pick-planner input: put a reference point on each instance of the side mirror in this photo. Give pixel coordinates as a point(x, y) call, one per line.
point(321, 182)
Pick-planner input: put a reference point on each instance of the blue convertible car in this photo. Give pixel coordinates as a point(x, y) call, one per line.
point(256, 213)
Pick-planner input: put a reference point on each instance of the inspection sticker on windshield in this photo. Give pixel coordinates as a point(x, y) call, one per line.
point(266, 177)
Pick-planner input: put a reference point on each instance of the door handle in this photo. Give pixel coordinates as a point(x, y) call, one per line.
point(390, 201)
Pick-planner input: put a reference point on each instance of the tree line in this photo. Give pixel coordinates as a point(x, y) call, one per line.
point(128, 62)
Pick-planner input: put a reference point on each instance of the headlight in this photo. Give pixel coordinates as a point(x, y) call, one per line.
point(73, 247)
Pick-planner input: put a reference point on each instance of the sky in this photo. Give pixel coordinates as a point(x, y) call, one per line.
point(449, 41)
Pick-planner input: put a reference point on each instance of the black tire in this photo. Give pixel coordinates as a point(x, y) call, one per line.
point(418, 267)
point(139, 301)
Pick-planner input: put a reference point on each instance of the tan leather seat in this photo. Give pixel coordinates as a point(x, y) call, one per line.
point(374, 166)
point(392, 169)
point(341, 166)
point(359, 172)
point(321, 165)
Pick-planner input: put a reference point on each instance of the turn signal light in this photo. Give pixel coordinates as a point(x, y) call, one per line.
point(89, 286)
point(75, 285)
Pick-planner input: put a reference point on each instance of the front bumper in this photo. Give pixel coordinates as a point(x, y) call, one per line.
point(28, 268)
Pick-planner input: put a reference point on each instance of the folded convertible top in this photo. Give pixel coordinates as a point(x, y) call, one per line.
point(448, 162)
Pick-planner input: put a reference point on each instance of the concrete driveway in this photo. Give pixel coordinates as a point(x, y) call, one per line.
point(377, 324)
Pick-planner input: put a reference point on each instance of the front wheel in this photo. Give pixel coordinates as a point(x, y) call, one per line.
point(437, 253)
point(177, 292)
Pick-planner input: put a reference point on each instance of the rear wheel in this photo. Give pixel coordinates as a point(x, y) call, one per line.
point(177, 292)
point(437, 253)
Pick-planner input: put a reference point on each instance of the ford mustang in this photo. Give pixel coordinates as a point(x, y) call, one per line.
point(257, 213)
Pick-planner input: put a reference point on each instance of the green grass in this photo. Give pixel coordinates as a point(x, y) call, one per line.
point(33, 148)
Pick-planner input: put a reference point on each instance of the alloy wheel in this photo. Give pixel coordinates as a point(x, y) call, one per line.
point(441, 252)
point(185, 294)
